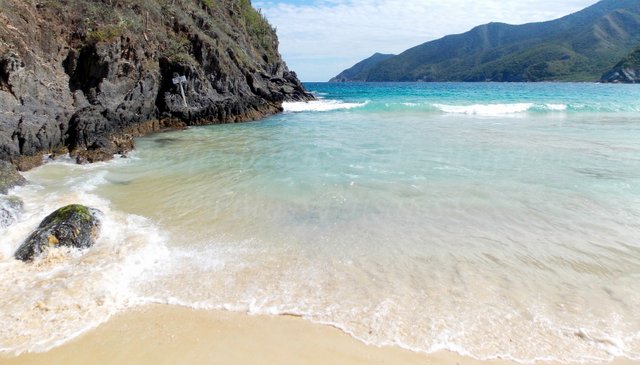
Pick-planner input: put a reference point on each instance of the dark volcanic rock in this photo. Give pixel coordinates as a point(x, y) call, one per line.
point(623, 75)
point(10, 209)
point(91, 75)
point(9, 177)
point(71, 226)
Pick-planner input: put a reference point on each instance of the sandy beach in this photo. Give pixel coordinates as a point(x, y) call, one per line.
point(180, 185)
point(468, 239)
point(177, 335)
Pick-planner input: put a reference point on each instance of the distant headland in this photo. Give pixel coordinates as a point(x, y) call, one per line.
point(582, 47)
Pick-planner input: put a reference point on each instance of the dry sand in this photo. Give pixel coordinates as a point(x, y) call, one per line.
point(176, 335)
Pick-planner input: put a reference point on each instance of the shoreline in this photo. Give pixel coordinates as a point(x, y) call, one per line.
point(169, 334)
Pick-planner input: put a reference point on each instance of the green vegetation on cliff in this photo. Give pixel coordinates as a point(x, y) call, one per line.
point(577, 47)
point(167, 21)
point(625, 71)
point(632, 60)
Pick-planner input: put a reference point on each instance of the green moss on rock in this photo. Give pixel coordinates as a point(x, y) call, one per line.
point(74, 226)
point(74, 211)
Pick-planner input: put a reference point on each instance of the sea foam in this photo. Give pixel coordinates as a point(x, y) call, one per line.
point(503, 109)
point(510, 240)
point(485, 109)
point(321, 105)
point(66, 292)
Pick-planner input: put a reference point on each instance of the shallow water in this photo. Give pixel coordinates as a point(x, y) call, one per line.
point(488, 219)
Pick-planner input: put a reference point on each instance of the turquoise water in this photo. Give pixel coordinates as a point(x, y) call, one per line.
point(494, 220)
point(488, 99)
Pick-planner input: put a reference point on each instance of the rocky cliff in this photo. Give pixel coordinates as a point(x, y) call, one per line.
point(87, 76)
point(626, 71)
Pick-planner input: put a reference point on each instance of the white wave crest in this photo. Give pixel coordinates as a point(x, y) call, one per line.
point(485, 109)
point(556, 107)
point(319, 106)
point(500, 109)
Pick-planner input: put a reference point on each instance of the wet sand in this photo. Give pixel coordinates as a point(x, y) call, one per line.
point(176, 335)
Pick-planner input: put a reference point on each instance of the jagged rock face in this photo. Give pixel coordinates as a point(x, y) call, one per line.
point(626, 71)
point(91, 75)
point(74, 226)
point(625, 75)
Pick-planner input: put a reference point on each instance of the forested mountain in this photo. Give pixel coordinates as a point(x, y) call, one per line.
point(578, 47)
point(360, 69)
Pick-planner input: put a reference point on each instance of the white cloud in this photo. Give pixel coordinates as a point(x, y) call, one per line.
point(318, 39)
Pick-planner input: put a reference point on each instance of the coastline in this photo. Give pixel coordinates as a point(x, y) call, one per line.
point(409, 225)
point(164, 334)
point(371, 288)
point(105, 86)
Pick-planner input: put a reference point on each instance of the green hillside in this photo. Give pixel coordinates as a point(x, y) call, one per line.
point(577, 47)
point(632, 60)
point(362, 68)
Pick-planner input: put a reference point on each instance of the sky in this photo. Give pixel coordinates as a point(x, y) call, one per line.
point(319, 39)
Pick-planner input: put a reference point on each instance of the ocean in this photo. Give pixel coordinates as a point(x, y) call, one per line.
point(492, 220)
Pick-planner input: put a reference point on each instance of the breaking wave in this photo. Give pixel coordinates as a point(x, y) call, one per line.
point(489, 109)
point(319, 106)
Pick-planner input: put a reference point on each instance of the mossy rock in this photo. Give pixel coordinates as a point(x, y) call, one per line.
point(74, 226)
point(9, 177)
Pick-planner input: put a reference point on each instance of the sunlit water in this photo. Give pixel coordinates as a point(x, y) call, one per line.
point(492, 220)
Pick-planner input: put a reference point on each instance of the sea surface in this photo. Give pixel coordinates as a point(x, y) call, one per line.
point(493, 220)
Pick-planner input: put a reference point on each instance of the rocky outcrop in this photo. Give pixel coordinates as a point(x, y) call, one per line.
point(88, 76)
point(9, 177)
point(626, 71)
point(623, 75)
point(72, 226)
